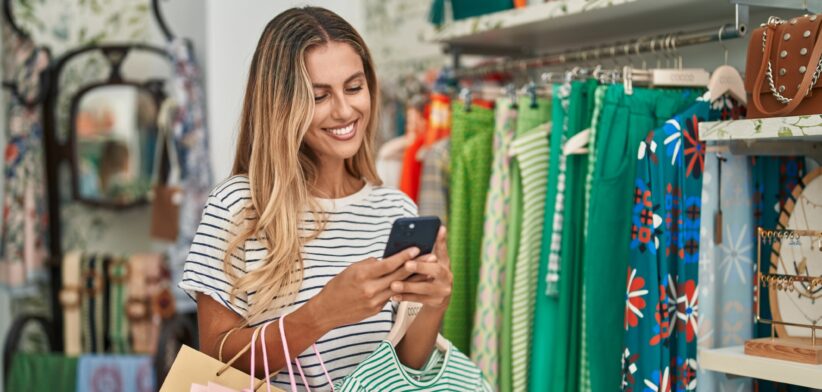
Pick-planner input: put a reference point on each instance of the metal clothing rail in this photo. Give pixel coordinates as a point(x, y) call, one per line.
point(659, 44)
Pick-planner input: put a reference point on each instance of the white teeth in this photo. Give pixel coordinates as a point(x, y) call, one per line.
point(342, 131)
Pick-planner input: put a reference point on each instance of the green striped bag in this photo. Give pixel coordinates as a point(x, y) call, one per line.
point(382, 371)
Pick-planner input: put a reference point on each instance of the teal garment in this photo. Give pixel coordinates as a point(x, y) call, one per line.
point(42, 373)
point(569, 317)
point(556, 340)
point(546, 308)
point(528, 119)
point(662, 300)
point(462, 9)
point(599, 95)
point(471, 152)
point(624, 122)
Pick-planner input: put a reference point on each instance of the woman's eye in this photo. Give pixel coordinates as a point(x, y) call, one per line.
point(354, 89)
point(320, 98)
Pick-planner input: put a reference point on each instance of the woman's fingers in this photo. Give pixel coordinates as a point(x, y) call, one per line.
point(390, 264)
point(428, 289)
point(422, 299)
point(441, 247)
point(432, 270)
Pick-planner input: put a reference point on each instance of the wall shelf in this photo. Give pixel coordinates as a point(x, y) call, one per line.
point(805, 128)
point(732, 360)
point(797, 135)
point(565, 23)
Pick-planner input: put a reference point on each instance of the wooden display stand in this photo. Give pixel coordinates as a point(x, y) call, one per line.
point(789, 349)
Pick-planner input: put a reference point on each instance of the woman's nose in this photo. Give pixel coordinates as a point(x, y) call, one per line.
point(342, 108)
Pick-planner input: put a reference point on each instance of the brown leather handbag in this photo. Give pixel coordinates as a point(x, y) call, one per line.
point(783, 68)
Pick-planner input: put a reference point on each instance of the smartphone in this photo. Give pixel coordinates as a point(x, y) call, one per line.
point(409, 232)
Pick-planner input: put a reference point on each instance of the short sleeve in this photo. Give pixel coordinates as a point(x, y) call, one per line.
point(203, 271)
point(408, 207)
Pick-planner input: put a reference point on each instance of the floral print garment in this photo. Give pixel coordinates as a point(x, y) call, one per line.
point(661, 301)
point(25, 221)
point(191, 141)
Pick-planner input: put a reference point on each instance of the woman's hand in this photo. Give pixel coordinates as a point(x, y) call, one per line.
point(361, 290)
point(431, 285)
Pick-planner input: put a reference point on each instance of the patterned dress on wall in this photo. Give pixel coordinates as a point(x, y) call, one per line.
point(191, 141)
point(23, 248)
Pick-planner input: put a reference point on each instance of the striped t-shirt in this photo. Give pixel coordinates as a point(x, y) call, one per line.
point(358, 227)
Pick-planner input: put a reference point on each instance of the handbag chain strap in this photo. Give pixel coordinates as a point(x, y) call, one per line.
point(775, 21)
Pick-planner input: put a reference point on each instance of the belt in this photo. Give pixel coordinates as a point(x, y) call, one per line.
point(159, 293)
point(71, 296)
point(117, 321)
point(137, 305)
point(92, 305)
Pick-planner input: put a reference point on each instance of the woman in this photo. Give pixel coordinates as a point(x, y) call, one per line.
point(298, 227)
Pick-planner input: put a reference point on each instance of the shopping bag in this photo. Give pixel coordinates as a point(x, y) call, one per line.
point(192, 367)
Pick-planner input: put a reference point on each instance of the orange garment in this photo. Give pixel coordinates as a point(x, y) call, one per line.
point(439, 119)
point(520, 3)
point(412, 168)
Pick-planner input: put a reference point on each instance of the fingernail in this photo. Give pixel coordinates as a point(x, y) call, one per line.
point(411, 266)
point(432, 258)
point(396, 298)
point(414, 252)
point(396, 286)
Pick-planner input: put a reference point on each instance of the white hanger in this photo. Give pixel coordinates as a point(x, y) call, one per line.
point(577, 143)
point(665, 77)
point(726, 80)
point(406, 313)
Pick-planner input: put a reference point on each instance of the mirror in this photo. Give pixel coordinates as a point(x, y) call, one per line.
point(115, 138)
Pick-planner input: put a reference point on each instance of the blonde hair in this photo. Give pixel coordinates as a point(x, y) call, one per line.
point(277, 111)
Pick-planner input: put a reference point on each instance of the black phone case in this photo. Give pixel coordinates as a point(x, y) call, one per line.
point(409, 232)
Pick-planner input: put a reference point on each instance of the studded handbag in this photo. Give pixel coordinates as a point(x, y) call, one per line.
point(783, 68)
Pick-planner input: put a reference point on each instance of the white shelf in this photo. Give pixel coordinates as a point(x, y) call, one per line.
point(572, 23)
point(797, 128)
point(732, 360)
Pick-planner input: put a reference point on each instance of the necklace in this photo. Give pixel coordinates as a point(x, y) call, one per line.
point(805, 315)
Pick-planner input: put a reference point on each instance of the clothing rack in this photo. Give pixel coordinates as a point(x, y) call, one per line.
point(660, 44)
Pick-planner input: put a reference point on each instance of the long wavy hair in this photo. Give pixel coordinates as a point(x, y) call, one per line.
point(277, 111)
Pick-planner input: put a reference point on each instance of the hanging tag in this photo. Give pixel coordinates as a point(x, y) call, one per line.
point(718, 227)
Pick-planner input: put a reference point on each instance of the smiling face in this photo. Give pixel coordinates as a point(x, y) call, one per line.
point(342, 103)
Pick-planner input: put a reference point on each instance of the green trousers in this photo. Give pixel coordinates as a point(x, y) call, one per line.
point(527, 119)
point(471, 155)
point(624, 121)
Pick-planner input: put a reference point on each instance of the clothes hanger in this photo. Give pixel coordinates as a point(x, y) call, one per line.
point(726, 80)
point(406, 313)
point(578, 144)
point(665, 77)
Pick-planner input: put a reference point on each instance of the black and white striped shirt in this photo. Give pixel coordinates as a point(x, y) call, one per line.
point(358, 227)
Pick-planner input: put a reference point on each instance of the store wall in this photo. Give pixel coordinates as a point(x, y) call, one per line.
point(233, 31)
point(63, 26)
